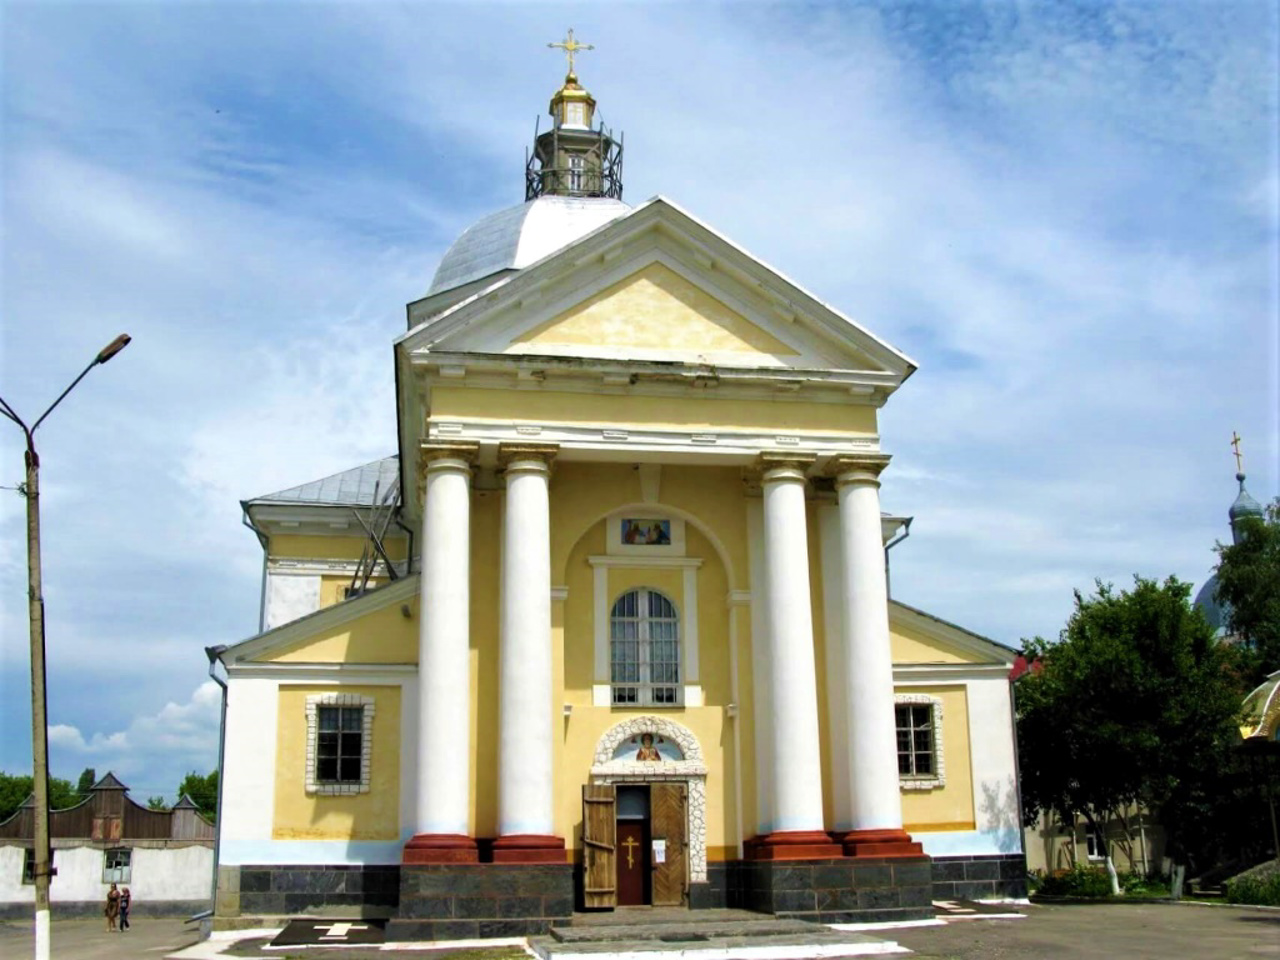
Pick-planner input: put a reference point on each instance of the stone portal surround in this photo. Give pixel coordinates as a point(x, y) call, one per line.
point(692, 770)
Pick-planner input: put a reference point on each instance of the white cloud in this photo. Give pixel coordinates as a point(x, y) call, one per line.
point(160, 748)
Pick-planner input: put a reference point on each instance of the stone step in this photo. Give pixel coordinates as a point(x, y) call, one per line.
point(818, 944)
point(687, 930)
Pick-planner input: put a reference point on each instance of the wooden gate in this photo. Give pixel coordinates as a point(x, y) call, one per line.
point(599, 845)
point(668, 818)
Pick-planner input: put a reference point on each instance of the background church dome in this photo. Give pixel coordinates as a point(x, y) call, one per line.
point(514, 238)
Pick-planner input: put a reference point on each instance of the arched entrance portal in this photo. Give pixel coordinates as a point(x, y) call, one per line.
point(645, 815)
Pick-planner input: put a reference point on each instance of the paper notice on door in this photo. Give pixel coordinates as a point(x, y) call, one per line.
point(659, 851)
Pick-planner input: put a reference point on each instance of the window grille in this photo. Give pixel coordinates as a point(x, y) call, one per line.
point(116, 865)
point(644, 632)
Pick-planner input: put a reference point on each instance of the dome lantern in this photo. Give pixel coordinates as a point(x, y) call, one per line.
point(572, 159)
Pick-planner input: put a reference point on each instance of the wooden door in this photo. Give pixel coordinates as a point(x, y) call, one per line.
point(633, 863)
point(668, 822)
point(599, 832)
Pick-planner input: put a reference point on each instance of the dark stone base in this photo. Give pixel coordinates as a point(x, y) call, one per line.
point(464, 901)
point(78, 909)
point(837, 890)
point(330, 890)
point(995, 877)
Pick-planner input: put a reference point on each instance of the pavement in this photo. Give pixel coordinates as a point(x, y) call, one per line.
point(1047, 932)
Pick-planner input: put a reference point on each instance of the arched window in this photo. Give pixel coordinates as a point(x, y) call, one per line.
point(644, 649)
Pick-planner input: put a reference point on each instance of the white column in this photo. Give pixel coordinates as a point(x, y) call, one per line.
point(524, 685)
point(874, 801)
point(833, 671)
point(762, 710)
point(793, 723)
point(443, 805)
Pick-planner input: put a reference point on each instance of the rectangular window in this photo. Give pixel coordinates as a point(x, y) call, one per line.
point(29, 864)
point(915, 740)
point(116, 865)
point(339, 744)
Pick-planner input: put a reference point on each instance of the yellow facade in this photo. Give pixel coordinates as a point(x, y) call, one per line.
point(713, 504)
point(374, 815)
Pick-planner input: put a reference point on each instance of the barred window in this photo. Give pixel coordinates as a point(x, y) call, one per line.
point(644, 650)
point(116, 865)
point(915, 741)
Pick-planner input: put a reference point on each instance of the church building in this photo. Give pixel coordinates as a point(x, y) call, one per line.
point(613, 626)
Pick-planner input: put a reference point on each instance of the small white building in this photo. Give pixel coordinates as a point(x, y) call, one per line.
point(164, 857)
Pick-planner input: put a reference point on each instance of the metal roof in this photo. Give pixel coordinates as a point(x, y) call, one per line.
point(353, 487)
point(512, 239)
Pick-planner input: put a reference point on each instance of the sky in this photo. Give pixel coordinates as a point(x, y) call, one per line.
point(1066, 214)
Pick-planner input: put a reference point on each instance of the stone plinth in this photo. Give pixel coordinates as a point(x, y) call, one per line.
point(467, 901)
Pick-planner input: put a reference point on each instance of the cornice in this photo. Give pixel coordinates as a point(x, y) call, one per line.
point(390, 673)
point(571, 439)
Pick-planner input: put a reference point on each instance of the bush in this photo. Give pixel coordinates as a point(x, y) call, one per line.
point(1256, 886)
point(1144, 885)
point(1077, 882)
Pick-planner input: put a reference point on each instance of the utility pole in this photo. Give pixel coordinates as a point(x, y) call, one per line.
point(43, 869)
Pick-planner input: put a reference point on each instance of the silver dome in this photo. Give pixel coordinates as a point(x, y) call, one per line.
point(512, 239)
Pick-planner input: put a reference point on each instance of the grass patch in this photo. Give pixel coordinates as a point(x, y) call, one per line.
point(1093, 883)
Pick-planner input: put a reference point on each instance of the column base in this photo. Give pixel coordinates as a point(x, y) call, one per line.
point(880, 843)
point(793, 845)
point(440, 848)
point(528, 848)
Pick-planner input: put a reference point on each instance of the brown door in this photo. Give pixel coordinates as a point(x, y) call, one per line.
point(599, 822)
point(633, 863)
point(668, 825)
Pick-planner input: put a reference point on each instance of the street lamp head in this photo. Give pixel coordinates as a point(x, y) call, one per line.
point(114, 347)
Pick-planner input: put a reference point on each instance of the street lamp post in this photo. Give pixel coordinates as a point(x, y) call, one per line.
point(39, 719)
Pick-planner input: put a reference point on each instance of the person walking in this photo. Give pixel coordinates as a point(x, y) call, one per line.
point(126, 898)
point(113, 908)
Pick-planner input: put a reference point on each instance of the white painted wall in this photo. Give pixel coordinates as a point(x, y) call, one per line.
point(158, 874)
point(290, 596)
point(248, 790)
point(992, 765)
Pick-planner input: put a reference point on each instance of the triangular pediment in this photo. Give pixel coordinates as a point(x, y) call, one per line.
point(656, 309)
point(654, 285)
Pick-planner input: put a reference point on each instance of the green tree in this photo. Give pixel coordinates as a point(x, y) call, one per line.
point(1249, 587)
point(14, 790)
point(88, 777)
point(156, 803)
point(1135, 703)
point(203, 792)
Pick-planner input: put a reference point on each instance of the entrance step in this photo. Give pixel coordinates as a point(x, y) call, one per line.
point(702, 935)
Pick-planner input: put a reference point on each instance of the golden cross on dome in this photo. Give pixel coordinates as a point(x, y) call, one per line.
point(1235, 445)
point(571, 46)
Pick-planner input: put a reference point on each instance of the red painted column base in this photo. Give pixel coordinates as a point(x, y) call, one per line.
point(440, 848)
point(528, 848)
point(880, 843)
point(793, 845)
